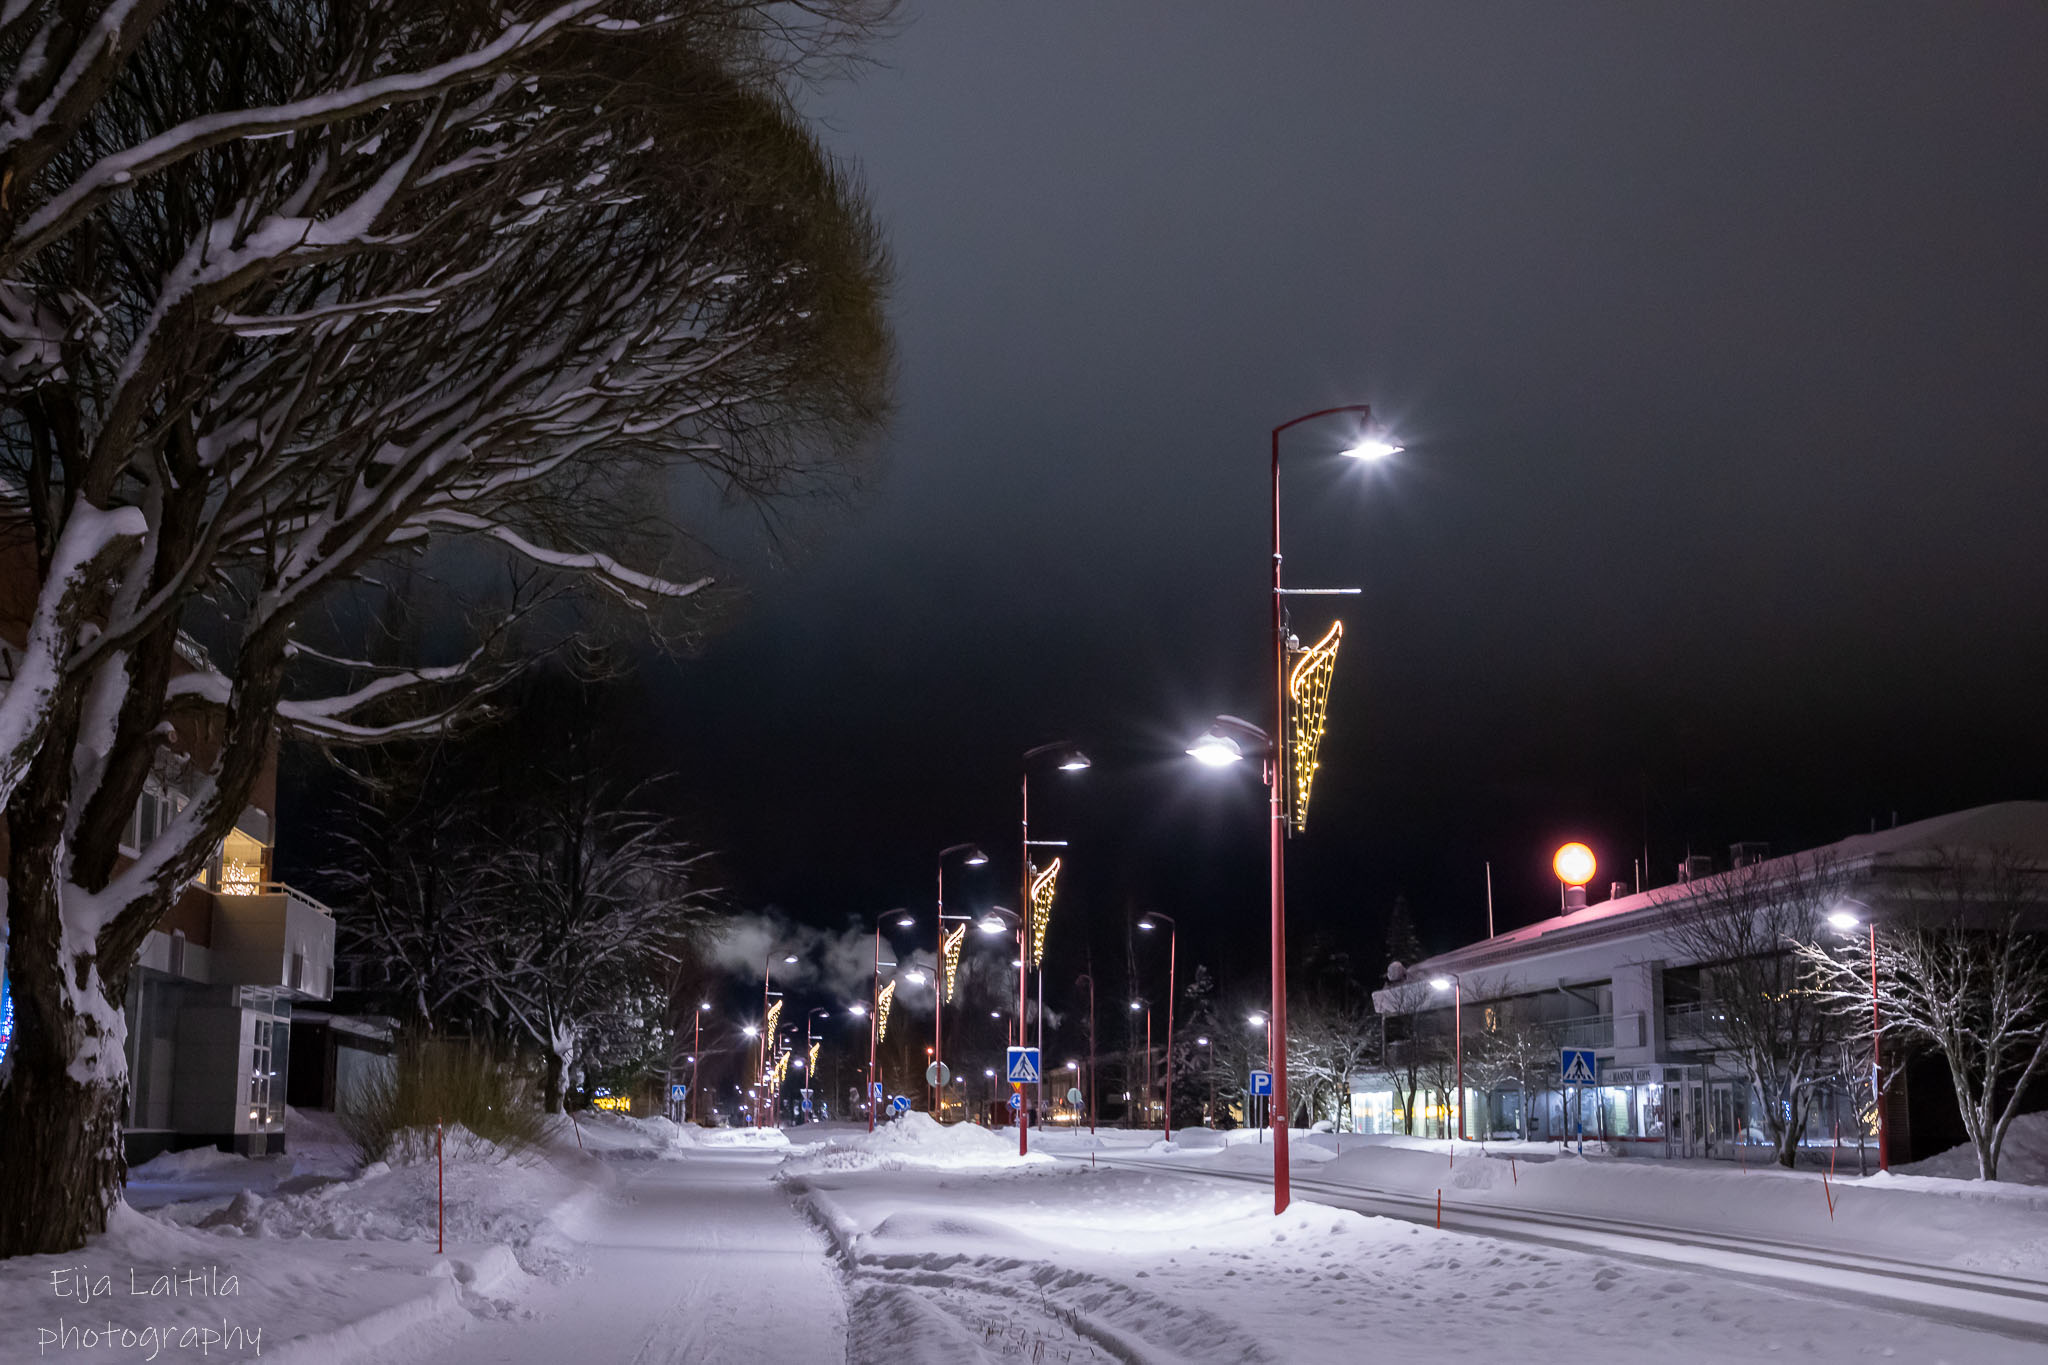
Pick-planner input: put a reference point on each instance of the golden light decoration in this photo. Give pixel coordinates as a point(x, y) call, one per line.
point(811, 1065)
point(1042, 887)
point(617, 1104)
point(774, 1015)
point(1308, 687)
point(882, 1003)
point(949, 959)
point(237, 878)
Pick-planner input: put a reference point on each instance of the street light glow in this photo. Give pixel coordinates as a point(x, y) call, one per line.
point(1201, 1042)
point(991, 925)
point(914, 977)
point(1073, 761)
point(1372, 448)
point(906, 921)
point(1574, 864)
point(975, 858)
point(1137, 1004)
point(790, 958)
point(1842, 919)
point(1439, 983)
point(1147, 924)
point(1255, 1019)
point(857, 1010)
point(1215, 751)
point(751, 1031)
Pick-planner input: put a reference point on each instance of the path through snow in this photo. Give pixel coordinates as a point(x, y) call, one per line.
point(692, 1259)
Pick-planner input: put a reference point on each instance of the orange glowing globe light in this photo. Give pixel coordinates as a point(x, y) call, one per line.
point(1573, 864)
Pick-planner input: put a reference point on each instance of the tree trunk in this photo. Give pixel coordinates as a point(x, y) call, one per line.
point(60, 1111)
point(551, 1086)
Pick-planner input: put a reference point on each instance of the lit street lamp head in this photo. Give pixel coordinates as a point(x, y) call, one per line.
point(1137, 1005)
point(1072, 761)
point(1440, 983)
point(1843, 920)
point(1372, 448)
point(751, 1031)
point(790, 958)
point(975, 858)
point(914, 977)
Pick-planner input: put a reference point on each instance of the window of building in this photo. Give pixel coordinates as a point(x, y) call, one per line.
point(242, 865)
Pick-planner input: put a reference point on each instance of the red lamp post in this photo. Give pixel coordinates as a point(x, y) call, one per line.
point(1172, 954)
point(904, 920)
point(1843, 920)
point(1226, 742)
point(1091, 1046)
point(1069, 759)
point(1453, 983)
point(975, 858)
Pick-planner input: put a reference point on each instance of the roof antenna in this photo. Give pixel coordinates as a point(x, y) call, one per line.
point(1489, 900)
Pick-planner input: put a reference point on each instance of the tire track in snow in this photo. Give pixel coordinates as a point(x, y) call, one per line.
point(979, 1308)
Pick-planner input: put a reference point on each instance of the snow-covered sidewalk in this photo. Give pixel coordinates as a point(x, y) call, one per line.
point(697, 1258)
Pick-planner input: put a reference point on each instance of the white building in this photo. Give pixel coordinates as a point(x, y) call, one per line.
point(1611, 977)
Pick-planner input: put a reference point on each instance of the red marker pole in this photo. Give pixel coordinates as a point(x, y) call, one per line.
point(440, 1195)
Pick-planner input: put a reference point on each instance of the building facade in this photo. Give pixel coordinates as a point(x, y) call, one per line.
point(1617, 979)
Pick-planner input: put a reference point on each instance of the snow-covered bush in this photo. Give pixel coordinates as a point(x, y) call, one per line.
point(452, 1082)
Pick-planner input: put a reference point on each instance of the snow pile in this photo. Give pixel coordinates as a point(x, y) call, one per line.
point(751, 1138)
point(523, 1203)
point(915, 1141)
point(179, 1165)
point(2023, 1160)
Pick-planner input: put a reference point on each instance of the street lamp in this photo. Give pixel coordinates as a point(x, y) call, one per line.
point(974, 857)
point(1453, 983)
point(1066, 757)
point(1152, 921)
point(1364, 447)
point(1574, 865)
point(1209, 1114)
point(1845, 922)
point(904, 920)
point(1090, 979)
point(1137, 1005)
point(1259, 1019)
point(697, 1050)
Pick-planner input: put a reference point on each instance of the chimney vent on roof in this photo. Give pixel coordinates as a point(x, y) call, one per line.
point(1616, 890)
point(1695, 866)
point(1747, 854)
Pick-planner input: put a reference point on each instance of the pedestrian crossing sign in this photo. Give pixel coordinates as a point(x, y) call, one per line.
point(1023, 1066)
point(1578, 1066)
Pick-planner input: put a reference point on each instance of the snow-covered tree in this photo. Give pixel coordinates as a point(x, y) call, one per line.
point(290, 291)
point(594, 902)
point(1962, 969)
point(1743, 927)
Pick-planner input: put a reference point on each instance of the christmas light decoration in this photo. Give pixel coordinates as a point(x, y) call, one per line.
point(1308, 688)
point(1042, 887)
point(950, 960)
point(774, 1017)
point(882, 1003)
point(811, 1065)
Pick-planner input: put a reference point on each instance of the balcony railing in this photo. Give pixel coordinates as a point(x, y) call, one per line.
point(1701, 1020)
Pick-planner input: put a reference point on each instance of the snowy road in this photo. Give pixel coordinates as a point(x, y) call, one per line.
point(691, 1260)
point(2010, 1305)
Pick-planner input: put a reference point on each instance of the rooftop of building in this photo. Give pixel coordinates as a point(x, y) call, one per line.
point(2019, 827)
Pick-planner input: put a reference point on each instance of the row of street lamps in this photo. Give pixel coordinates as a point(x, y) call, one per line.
point(1228, 740)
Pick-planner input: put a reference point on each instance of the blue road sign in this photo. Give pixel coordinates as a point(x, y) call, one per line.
point(878, 1092)
point(1262, 1083)
point(1578, 1066)
point(1016, 1099)
point(1023, 1066)
point(900, 1105)
point(676, 1092)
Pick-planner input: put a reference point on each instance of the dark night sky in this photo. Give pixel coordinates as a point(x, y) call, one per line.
point(1717, 335)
